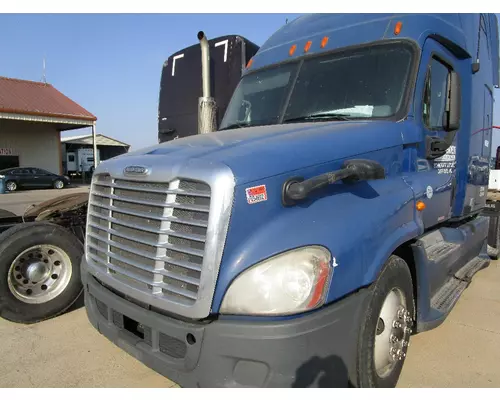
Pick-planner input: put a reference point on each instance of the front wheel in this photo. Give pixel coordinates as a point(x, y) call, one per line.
point(385, 335)
point(39, 271)
point(58, 184)
point(11, 186)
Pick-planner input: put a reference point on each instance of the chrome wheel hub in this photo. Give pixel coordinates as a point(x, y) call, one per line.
point(36, 271)
point(39, 274)
point(393, 333)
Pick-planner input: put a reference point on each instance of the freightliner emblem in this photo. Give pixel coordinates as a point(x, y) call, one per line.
point(136, 170)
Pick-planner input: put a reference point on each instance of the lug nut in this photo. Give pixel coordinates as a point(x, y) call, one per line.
point(407, 330)
point(393, 338)
point(392, 353)
point(396, 324)
point(401, 313)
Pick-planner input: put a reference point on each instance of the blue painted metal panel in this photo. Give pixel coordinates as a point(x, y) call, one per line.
point(341, 217)
point(360, 223)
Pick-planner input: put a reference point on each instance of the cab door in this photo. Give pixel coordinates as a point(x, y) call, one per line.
point(434, 183)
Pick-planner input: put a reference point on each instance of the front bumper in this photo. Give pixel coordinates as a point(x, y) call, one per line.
point(316, 350)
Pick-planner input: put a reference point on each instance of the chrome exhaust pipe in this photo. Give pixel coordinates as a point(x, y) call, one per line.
point(207, 108)
point(205, 63)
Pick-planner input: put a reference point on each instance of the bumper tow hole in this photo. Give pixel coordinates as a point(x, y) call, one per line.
point(190, 339)
point(133, 327)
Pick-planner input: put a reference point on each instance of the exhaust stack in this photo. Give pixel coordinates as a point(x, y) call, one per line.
point(207, 108)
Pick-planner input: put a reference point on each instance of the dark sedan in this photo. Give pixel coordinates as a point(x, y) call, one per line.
point(31, 178)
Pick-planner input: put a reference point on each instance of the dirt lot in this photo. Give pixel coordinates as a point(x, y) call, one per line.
point(68, 352)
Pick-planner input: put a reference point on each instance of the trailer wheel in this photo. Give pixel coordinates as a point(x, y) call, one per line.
point(39, 271)
point(385, 336)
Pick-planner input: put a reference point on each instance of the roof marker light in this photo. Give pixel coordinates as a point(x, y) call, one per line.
point(397, 28)
point(292, 50)
point(250, 62)
point(307, 46)
point(324, 42)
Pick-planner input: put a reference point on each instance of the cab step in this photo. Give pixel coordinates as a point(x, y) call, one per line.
point(440, 250)
point(446, 298)
point(447, 259)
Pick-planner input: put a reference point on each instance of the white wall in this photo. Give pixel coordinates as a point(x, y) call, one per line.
point(36, 144)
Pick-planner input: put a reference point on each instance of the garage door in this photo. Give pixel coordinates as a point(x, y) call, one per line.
point(9, 162)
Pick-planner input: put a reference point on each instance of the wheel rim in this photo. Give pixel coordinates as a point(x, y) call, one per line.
point(59, 184)
point(392, 333)
point(11, 186)
point(39, 274)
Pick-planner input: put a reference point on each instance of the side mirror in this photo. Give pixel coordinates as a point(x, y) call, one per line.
point(364, 170)
point(454, 104)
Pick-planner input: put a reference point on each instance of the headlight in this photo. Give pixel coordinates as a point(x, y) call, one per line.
point(288, 283)
point(2, 176)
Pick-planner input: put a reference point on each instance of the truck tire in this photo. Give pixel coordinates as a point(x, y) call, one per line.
point(385, 332)
point(39, 271)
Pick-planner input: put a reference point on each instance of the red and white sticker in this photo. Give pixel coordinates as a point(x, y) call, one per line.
point(256, 194)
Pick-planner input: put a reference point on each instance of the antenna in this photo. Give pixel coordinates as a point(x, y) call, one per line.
point(44, 79)
point(286, 21)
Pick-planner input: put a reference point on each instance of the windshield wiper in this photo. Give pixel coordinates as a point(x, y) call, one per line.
point(236, 125)
point(320, 116)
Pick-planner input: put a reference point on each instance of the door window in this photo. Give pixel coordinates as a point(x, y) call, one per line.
point(435, 95)
point(39, 171)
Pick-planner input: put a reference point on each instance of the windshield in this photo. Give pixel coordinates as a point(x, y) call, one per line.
point(367, 82)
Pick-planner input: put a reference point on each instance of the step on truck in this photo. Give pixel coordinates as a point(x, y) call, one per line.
point(338, 209)
point(40, 251)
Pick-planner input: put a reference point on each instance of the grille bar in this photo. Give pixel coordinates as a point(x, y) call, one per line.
point(142, 227)
point(146, 216)
point(124, 247)
point(151, 190)
point(182, 206)
point(146, 268)
point(189, 236)
point(183, 264)
point(132, 275)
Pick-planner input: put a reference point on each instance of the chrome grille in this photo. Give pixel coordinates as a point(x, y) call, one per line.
point(150, 235)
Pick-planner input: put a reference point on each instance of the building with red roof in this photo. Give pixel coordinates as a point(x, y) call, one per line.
point(32, 117)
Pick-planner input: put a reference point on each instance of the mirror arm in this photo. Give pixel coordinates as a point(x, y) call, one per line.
point(296, 189)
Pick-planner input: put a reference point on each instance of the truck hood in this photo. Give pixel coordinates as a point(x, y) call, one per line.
point(264, 151)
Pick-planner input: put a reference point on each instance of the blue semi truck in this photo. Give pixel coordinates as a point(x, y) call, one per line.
point(339, 208)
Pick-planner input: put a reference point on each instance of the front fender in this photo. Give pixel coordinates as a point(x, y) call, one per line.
point(361, 224)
